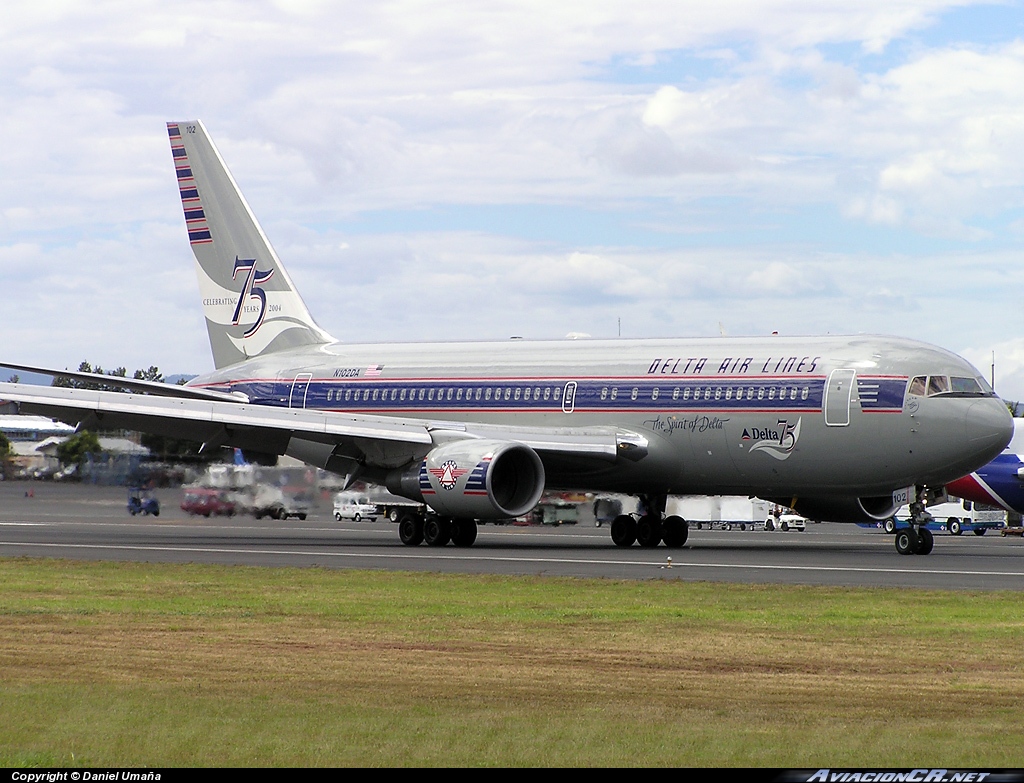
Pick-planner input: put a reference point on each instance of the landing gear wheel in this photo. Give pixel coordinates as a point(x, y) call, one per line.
point(623, 530)
point(437, 531)
point(953, 526)
point(674, 531)
point(906, 541)
point(410, 529)
point(889, 526)
point(463, 532)
point(925, 542)
point(648, 531)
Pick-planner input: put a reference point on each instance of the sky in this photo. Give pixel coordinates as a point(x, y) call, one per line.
point(450, 170)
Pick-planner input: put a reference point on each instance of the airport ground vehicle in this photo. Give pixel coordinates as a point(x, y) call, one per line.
point(785, 521)
point(354, 507)
point(840, 428)
point(206, 502)
point(140, 501)
point(954, 517)
point(272, 501)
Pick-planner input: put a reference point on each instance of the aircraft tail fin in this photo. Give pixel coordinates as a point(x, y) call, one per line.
point(251, 306)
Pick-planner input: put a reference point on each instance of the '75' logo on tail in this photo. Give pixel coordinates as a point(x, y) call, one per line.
point(253, 278)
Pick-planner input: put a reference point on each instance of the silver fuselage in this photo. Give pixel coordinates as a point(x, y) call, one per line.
point(771, 416)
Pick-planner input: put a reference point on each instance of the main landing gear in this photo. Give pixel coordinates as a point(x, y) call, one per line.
point(414, 529)
point(652, 528)
point(916, 539)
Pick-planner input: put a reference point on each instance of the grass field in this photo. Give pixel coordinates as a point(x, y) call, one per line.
point(138, 664)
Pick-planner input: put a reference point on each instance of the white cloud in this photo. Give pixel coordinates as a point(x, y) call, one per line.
point(331, 112)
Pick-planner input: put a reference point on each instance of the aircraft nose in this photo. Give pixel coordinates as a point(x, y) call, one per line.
point(988, 426)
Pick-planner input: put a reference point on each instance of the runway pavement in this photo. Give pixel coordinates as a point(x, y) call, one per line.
point(92, 523)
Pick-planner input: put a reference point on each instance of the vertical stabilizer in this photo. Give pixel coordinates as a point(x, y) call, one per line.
point(250, 303)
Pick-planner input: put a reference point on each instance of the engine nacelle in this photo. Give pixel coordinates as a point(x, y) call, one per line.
point(827, 509)
point(478, 479)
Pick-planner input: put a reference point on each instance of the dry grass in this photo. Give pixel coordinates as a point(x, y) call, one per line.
point(199, 665)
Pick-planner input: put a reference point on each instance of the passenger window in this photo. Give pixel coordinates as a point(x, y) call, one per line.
point(633, 394)
point(547, 393)
point(615, 392)
point(487, 395)
point(654, 393)
point(604, 393)
point(686, 393)
point(675, 393)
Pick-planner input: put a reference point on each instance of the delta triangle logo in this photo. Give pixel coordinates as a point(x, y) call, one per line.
point(448, 474)
point(777, 442)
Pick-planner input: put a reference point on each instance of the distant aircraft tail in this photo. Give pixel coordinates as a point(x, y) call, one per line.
point(250, 303)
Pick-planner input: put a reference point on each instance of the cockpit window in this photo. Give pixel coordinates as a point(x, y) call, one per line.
point(965, 386)
point(936, 385)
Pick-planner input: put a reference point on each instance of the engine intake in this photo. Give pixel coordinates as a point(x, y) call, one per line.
point(478, 479)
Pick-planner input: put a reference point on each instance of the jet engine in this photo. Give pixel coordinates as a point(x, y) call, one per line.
point(477, 479)
point(839, 509)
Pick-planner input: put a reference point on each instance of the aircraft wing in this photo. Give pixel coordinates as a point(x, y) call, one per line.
point(266, 428)
point(134, 384)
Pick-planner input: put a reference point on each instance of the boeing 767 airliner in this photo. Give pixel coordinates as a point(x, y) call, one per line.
point(839, 428)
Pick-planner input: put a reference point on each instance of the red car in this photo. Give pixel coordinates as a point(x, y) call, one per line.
point(205, 502)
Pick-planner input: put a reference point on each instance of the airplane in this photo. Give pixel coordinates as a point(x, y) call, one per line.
point(845, 429)
point(1000, 483)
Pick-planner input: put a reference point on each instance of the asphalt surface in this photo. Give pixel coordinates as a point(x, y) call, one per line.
point(92, 523)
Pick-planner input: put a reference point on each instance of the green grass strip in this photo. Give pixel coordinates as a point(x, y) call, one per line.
point(105, 664)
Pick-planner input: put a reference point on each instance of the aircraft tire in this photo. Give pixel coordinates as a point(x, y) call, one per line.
point(648, 531)
point(410, 529)
point(674, 532)
point(623, 530)
point(437, 531)
point(925, 542)
point(906, 541)
point(464, 532)
point(953, 526)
